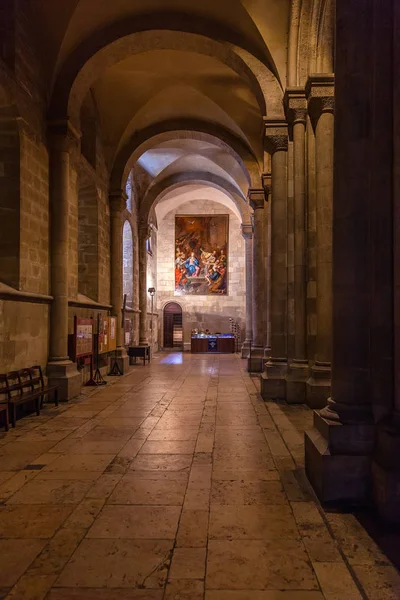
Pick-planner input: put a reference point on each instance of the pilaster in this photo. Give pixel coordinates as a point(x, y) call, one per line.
point(144, 235)
point(321, 100)
point(64, 143)
point(273, 379)
point(117, 200)
point(257, 201)
point(267, 185)
point(298, 369)
point(247, 233)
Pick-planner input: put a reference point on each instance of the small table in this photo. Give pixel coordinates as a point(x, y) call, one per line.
point(139, 352)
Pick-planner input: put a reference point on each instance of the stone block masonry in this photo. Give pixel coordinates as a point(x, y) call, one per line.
point(212, 312)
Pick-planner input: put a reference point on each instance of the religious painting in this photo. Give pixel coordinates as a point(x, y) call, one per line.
point(201, 255)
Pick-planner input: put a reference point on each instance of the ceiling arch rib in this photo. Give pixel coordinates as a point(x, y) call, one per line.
point(188, 155)
point(156, 191)
point(146, 139)
point(180, 194)
point(86, 64)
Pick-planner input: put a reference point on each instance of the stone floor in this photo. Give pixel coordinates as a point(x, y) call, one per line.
point(175, 482)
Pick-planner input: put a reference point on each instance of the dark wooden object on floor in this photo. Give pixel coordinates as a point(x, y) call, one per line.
point(139, 352)
point(24, 387)
point(224, 345)
point(199, 345)
point(4, 412)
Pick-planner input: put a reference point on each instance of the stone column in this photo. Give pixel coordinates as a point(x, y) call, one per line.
point(255, 360)
point(273, 380)
point(267, 263)
point(296, 111)
point(338, 449)
point(144, 234)
point(247, 232)
point(63, 140)
point(320, 94)
point(117, 207)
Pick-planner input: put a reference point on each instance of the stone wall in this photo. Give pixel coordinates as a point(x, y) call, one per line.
point(23, 334)
point(212, 312)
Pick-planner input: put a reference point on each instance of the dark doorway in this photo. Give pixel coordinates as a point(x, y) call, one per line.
point(173, 331)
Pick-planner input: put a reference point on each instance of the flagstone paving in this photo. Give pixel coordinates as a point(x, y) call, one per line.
point(175, 482)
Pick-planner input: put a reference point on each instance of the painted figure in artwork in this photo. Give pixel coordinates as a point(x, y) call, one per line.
point(192, 266)
point(201, 262)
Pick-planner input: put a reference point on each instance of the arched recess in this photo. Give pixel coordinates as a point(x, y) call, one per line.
point(127, 262)
point(159, 189)
point(89, 130)
point(10, 189)
point(311, 39)
point(184, 129)
point(88, 240)
point(157, 31)
point(172, 325)
point(322, 37)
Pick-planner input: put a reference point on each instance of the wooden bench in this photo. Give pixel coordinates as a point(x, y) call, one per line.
point(38, 384)
point(4, 413)
point(25, 387)
point(139, 352)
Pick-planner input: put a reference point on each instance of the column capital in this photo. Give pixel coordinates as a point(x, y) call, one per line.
point(117, 200)
point(63, 135)
point(267, 184)
point(295, 103)
point(320, 93)
point(256, 198)
point(276, 135)
point(247, 230)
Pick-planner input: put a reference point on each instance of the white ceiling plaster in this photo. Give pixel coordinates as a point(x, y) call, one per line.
point(191, 192)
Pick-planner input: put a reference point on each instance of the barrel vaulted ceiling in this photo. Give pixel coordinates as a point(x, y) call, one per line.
point(213, 65)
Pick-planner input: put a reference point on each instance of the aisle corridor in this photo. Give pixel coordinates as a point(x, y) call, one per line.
point(175, 482)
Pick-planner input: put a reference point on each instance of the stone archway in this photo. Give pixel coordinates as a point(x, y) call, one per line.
point(184, 129)
point(172, 325)
point(108, 47)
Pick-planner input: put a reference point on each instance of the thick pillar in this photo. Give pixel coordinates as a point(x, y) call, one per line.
point(63, 140)
point(273, 380)
point(255, 360)
point(117, 206)
point(296, 111)
point(320, 94)
point(144, 234)
point(247, 232)
point(338, 449)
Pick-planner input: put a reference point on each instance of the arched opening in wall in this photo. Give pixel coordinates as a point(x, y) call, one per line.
point(173, 326)
point(129, 192)
point(88, 241)
point(127, 253)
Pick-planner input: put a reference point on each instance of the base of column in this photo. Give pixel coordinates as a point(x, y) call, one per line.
point(386, 471)
point(296, 379)
point(338, 461)
point(267, 352)
point(318, 386)
point(64, 374)
point(273, 380)
point(245, 351)
point(255, 360)
point(144, 342)
point(122, 359)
